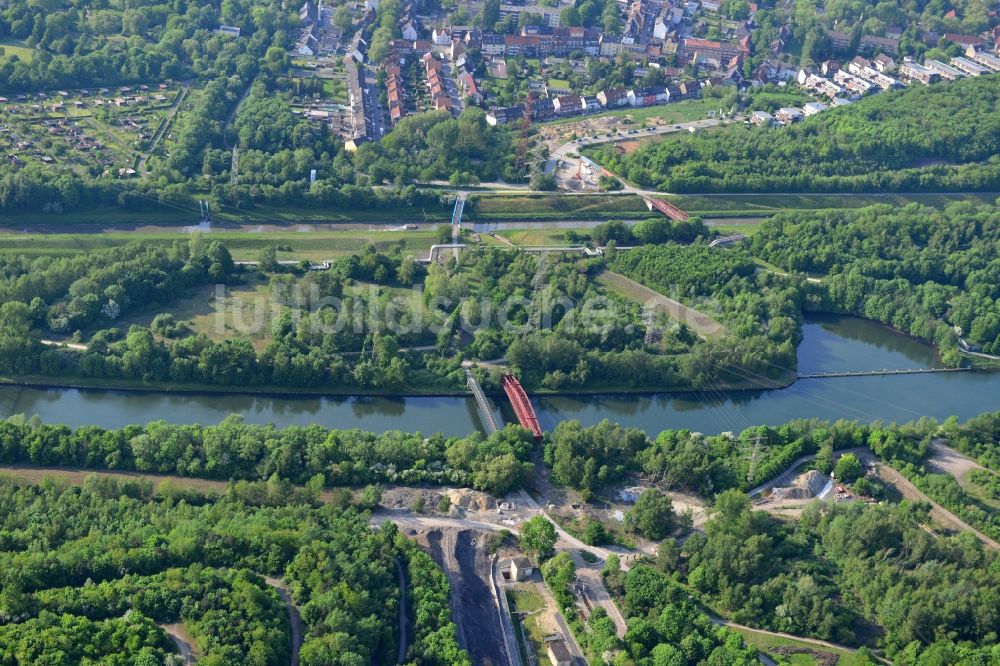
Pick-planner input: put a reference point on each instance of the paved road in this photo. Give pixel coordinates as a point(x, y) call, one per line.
point(593, 586)
point(562, 152)
point(574, 648)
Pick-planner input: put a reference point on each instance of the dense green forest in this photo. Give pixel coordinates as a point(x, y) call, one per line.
point(926, 138)
point(841, 572)
point(550, 318)
point(920, 270)
point(88, 572)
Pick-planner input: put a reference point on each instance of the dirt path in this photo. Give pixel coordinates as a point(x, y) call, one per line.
point(293, 616)
point(182, 640)
point(812, 641)
point(938, 512)
point(947, 460)
point(162, 129)
point(699, 322)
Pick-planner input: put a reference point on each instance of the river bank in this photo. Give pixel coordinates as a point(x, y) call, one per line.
point(829, 344)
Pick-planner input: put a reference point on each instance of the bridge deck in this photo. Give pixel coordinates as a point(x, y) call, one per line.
point(880, 373)
point(484, 406)
point(522, 405)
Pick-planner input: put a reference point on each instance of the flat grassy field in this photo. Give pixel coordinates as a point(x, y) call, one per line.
point(541, 236)
point(681, 112)
point(244, 245)
point(537, 624)
point(240, 311)
point(13, 47)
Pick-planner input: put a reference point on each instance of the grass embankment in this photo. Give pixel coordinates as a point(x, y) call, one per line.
point(556, 206)
point(244, 245)
point(762, 205)
point(13, 47)
point(188, 214)
point(699, 322)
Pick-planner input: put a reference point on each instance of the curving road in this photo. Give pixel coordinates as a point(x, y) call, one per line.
point(562, 152)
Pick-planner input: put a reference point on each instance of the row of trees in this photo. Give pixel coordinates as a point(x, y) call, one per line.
point(236, 450)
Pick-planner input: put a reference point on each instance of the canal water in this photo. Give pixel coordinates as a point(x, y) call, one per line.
point(829, 344)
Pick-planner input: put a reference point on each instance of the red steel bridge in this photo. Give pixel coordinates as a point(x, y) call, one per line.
point(667, 208)
point(522, 405)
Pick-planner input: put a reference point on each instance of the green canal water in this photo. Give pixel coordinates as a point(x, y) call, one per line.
point(829, 344)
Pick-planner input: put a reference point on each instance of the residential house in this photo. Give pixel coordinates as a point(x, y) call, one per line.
point(648, 96)
point(985, 59)
point(611, 98)
point(441, 36)
point(945, 71)
point(409, 30)
point(503, 115)
point(913, 72)
point(469, 87)
point(565, 105)
point(789, 115)
point(829, 67)
point(884, 63)
point(812, 108)
point(964, 40)
point(968, 67)
point(879, 44)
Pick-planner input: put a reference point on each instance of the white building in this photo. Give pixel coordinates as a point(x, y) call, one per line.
point(812, 108)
